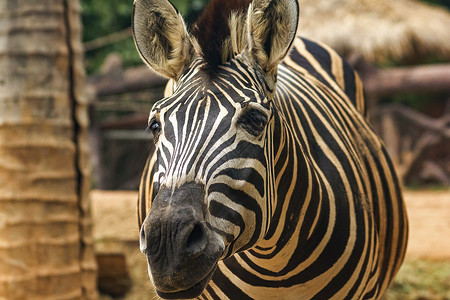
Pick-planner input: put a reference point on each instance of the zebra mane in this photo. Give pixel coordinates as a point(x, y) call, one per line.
point(220, 31)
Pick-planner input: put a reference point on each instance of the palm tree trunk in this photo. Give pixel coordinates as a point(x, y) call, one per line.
point(45, 231)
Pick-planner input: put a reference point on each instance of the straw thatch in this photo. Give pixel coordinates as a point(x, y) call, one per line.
point(378, 29)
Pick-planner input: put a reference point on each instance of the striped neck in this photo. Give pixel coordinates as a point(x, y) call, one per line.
point(299, 203)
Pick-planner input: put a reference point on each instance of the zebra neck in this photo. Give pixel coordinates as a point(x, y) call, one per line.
point(300, 208)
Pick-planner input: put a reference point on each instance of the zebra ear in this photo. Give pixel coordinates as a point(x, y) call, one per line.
point(272, 27)
point(161, 37)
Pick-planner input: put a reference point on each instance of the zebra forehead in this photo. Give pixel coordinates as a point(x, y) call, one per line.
point(233, 84)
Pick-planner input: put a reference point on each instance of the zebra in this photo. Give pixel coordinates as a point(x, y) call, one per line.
point(266, 181)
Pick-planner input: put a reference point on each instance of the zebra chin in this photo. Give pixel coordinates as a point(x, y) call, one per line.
point(192, 292)
point(181, 248)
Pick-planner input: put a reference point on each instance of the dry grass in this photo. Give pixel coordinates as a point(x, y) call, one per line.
point(421, 280)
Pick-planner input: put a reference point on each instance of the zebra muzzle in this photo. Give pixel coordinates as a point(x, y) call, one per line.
point(182, 250)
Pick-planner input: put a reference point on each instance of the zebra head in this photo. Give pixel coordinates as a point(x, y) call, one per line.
point(209, 180)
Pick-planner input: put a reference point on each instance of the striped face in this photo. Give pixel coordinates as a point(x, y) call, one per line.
point(210, 173)
point(209, 178)
point(214, 133)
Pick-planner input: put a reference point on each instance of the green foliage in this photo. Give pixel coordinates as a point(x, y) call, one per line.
point(190, 9)
point(103, 17)
point(445, 3)
point(428, 103)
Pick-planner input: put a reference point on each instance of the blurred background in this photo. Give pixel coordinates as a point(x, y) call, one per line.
point(74, 103)
point(401, 49)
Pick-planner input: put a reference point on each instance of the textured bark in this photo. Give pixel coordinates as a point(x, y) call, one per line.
point(45, 229)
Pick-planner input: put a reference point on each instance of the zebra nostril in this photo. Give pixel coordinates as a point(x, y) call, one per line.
point(196, 241)
point(143, 241)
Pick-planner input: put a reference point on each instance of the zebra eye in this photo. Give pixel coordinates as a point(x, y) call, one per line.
point(253, 121)
point(155, 127)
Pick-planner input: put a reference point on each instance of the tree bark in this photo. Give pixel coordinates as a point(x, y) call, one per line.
point(46, 249)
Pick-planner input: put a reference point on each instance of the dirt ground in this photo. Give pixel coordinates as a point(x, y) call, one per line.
point(429, 224)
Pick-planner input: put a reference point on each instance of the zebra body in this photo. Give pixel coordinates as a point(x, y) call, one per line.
point(266, 182)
